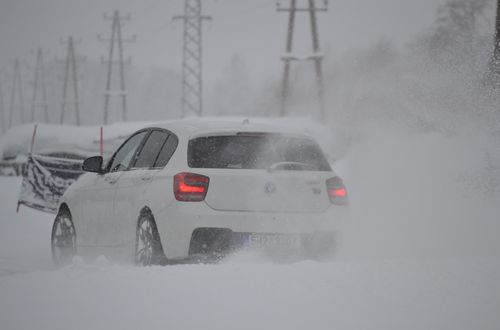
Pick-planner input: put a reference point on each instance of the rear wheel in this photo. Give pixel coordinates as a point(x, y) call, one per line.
point(148, 249)
point(63, 239)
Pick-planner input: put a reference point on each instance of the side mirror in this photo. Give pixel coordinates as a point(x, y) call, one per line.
point(93, 164)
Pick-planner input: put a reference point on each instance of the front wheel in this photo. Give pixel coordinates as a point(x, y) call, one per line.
point(63, 239)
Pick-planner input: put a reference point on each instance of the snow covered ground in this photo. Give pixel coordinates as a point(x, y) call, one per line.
point(423, 253)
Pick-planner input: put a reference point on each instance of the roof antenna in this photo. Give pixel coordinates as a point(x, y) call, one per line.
point(246, 121)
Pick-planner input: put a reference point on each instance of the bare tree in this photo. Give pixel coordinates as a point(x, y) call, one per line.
point(493, 74)
point(496, 53)
point(497, 31)
point(456, 25)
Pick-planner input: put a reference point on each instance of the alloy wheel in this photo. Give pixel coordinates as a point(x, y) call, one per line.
point(63, 242)
point(145, 246)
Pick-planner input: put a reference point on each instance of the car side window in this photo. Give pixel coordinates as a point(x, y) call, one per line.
point(149, 153)
point(167, 151)
point(127, 152)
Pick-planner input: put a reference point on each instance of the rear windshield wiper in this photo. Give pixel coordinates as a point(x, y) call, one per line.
point(291, 166)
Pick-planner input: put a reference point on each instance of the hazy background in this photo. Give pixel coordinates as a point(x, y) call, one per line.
point(251, 28)
point(243, 43)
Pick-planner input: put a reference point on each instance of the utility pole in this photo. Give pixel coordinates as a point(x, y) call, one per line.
point(316, 56)
point(16, 95)
point(39, 88)
point(116, 38)
point(70, 70)
point(192, 61)
point(287, 59)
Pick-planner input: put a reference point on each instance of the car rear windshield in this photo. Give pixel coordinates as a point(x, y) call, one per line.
point(256, 151)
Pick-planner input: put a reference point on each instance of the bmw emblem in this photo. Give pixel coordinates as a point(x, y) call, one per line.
point(270, 188)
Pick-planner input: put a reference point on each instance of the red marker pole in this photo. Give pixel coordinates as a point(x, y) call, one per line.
point(32, 146)
point(101, 141)
point(33, 139)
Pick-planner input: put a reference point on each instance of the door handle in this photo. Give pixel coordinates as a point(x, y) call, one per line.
point(110, 180)
point(146, 178)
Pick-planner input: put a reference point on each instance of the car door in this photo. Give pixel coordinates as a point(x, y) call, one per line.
point(129, 198)
point(99, 208)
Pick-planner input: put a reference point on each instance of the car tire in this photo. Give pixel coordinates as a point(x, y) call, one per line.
point(148, 248)
point(63, 238)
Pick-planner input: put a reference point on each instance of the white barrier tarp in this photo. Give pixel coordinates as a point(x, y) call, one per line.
point(45, 179)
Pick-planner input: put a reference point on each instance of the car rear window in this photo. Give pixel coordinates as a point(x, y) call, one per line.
point(256, 151)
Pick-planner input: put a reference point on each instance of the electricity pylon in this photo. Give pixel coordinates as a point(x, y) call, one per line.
point(192, 60)
point(16, 95)
point(39, 88)
point(116, 38)
point(316, 56)
point(70, 70)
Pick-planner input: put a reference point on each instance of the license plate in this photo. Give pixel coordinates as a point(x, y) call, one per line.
point(271, 241)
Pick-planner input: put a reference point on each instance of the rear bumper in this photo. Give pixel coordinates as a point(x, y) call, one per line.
point(179, 223)
point(213, 244)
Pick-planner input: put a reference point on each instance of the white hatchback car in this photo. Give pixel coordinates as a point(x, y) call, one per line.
point(198, 190)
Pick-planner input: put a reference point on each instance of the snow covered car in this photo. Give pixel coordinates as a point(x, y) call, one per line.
point(191, 189)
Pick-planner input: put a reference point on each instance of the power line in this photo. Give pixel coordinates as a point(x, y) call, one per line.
point(316, 56)
point(192, 62)
point(70, 77)
point(39, 88)
point(16, 95)
point(116, 38)
point(245, 12)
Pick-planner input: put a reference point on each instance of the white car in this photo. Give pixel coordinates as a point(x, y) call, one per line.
point(195, 189)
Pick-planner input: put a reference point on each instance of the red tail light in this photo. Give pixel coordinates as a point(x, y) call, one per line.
point(190, 187)
point(337, 191)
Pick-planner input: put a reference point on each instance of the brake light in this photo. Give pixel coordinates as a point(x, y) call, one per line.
point(190, 187)
point(337, 191)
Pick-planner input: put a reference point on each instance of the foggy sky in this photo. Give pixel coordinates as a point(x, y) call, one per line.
point(252, 29)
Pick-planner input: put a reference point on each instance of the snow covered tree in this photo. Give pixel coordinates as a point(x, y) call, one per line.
point(456, 27)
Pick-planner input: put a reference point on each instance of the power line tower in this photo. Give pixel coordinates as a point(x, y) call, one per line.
point(70, 77)
point(192, 61)
point(16, 95)
point(118, 40)
point(39, 88)
point(316, 56)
